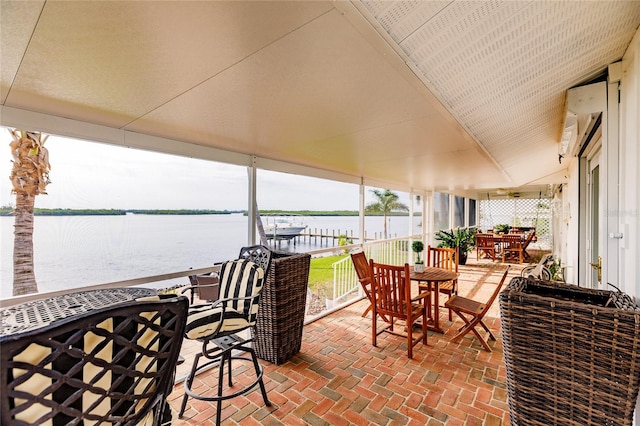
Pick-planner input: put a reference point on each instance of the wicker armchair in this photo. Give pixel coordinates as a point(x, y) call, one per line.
point(112, 365)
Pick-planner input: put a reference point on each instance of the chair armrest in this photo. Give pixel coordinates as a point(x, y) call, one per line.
point(422, 295)
point(192, 288)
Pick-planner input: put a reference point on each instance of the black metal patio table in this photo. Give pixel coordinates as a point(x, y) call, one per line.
point(38, 313)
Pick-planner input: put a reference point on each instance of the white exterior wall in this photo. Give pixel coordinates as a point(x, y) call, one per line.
point(630, 175)
point(629, 212)
point(623, 175)
point(569, 224)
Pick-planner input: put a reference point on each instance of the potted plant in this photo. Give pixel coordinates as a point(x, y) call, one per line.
point(502, 228)
point(417, 246)
point(462, 238)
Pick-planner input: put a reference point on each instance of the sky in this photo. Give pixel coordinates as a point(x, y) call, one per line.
point(101, 176)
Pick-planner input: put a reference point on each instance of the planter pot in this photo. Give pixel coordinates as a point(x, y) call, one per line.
point(418, 267)
point(278, 331)
point(463, 258)
point(572, 355)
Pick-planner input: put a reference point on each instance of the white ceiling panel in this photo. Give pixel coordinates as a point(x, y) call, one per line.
point(112, 62)
point(17, 20)
point(502, 68)
point(455, 95)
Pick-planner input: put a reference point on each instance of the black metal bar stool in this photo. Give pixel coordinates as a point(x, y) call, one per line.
point(217, 326)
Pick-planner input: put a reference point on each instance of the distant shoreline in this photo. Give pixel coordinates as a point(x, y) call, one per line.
point(8, 211)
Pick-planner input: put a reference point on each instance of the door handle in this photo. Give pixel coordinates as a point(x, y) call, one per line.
point(598, 267)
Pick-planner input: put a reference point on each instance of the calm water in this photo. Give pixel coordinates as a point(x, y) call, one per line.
point(77, 251)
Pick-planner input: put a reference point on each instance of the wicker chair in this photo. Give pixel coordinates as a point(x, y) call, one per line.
point(217, 326)
point(112, 365)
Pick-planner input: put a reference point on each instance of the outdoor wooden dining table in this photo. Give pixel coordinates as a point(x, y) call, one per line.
point(430, 280)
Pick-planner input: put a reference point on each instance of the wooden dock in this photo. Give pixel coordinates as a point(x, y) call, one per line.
point(325, 237)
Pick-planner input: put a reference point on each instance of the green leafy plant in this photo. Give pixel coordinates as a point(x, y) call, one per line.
point(556, 270)
point(462, 238)
point(417, 246)
point(344, 240)
point(501, 228)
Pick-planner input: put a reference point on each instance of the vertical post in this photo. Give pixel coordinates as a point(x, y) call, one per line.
point(428, 220)
point(412, 199)
point(425, 219)
point(612, 205)
point(252, 203)
point(361, 208)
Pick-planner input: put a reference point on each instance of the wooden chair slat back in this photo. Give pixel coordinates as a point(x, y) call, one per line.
point(445, 258)
point(391, 288)
point(495, 293)
point(361, 265)
point(512, 241)
point(485, 241)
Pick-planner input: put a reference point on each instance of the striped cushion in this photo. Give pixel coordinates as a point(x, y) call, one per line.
point(238, 279)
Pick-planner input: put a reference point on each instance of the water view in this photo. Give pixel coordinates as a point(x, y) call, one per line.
point(78, 251)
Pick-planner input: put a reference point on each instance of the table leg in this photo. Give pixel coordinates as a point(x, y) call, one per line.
point(433, 306)
point(436, 308)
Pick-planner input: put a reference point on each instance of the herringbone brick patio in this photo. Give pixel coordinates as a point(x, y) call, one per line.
point(339, 378)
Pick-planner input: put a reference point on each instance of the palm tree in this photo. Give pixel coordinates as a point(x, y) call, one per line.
point(387, 202)
point(29, 176)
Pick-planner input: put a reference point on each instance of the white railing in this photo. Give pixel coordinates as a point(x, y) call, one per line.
point(346, 287)
point(345, 290)
point(15, 300)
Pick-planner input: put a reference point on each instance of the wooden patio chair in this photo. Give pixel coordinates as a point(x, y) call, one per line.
point(530, 237)
point(473, 312)
point(361, 265)
point(445, 258)
point(486, 247)
point(512, 247)
point(391, 296)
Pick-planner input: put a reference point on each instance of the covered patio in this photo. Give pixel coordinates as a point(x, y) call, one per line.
point(339, 378)
point(442, 100)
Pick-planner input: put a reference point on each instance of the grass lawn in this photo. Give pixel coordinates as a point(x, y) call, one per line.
point(321, 272)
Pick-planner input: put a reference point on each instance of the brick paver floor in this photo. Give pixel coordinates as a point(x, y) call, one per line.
point(339, 378)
